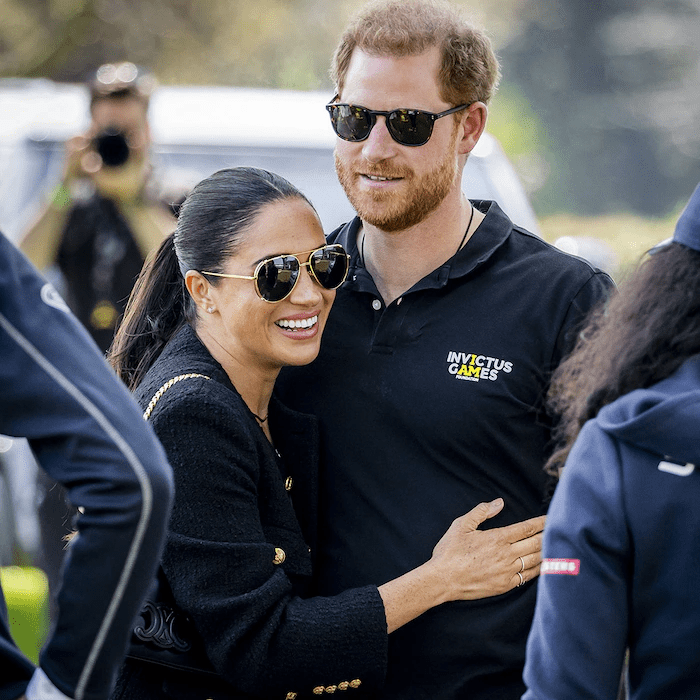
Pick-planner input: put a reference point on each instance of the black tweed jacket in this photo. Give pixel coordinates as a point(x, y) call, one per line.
point(239, 551)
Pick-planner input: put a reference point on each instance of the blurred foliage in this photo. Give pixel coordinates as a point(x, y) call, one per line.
point(598, 106)
point(617, 84)
point(26, 594)
point(280, 43)
point(522, 134)
point(266, 43)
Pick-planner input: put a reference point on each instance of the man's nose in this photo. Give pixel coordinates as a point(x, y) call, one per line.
point(379, 145)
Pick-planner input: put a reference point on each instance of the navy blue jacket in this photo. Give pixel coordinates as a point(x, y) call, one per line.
point(622, 553)
point(88, 434)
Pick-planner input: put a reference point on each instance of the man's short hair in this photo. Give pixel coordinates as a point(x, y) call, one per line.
point(469, 68)
point(121, 80)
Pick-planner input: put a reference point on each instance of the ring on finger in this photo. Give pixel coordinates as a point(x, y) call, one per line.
point(522, 564)
point(522, 580)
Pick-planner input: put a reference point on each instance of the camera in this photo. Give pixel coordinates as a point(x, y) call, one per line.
point(113, 147)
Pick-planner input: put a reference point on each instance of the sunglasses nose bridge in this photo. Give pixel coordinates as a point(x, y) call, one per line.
point(379, 143)
point(308, 287)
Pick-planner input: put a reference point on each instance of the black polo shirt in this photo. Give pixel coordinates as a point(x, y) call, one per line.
point(428, 407)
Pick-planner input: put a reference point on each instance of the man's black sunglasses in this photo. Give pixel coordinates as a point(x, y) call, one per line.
point(409, 127)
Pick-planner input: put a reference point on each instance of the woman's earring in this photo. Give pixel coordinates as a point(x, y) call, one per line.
point(210, 309)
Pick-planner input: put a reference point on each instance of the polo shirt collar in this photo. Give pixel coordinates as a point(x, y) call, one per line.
point(491, 234)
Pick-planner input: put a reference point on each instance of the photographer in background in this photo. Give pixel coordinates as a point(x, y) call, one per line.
point(104, 217)
point(101, 221)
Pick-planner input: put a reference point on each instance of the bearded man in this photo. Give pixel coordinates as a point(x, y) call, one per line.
point(438, 350)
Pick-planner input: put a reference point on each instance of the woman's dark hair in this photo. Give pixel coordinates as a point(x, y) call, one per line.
point(644, 333)
point(210, 223)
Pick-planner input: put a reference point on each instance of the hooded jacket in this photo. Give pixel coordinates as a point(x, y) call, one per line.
point(621, 552)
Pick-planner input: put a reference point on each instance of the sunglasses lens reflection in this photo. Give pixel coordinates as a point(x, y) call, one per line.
point(351, 123)
point(276, 278)
point(409, 127)
point(330, 267)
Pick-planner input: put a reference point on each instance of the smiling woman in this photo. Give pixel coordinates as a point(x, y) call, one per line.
point(242, 288)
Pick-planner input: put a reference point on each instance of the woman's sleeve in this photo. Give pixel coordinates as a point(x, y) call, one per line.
point(222, 570)
point(578, 638)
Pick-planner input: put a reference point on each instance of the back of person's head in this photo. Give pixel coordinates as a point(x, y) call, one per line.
point(469, 69)
point(122, 80)
point(212, 221)
point(640, 337)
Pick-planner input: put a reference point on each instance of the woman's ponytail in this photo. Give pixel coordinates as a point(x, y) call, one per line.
point(158, 306)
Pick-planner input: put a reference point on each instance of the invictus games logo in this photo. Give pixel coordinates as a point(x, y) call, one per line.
point(474, 368)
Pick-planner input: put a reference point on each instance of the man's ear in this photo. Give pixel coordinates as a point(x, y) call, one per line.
point(473, 123)
point(199, 288)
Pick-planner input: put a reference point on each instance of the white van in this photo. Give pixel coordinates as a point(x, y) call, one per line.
point(198, 130)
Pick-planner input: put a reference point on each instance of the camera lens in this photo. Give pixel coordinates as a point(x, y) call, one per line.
point(112, 147)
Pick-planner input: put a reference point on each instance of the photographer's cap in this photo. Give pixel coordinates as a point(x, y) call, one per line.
point(688, 227)
point(123, 78)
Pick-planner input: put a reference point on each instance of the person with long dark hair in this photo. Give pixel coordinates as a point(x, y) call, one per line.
point(242, 288)
point(621, 549)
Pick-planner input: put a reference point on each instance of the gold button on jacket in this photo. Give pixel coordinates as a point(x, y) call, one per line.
point(280, 556)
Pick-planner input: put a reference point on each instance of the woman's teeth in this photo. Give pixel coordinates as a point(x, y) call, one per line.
point(299, 324)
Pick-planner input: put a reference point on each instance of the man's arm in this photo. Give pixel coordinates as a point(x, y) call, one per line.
point(88, 434)
point(41, 241)
point(149, 222)
point(590, 296)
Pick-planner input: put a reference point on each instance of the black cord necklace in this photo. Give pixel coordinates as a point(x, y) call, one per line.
point(466, 233)
point(262, 420)
point(459, 247)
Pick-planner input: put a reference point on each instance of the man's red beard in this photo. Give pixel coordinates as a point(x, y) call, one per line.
point(397, 211)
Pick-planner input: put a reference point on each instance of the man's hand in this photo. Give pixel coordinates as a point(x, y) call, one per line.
point(123, 184)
